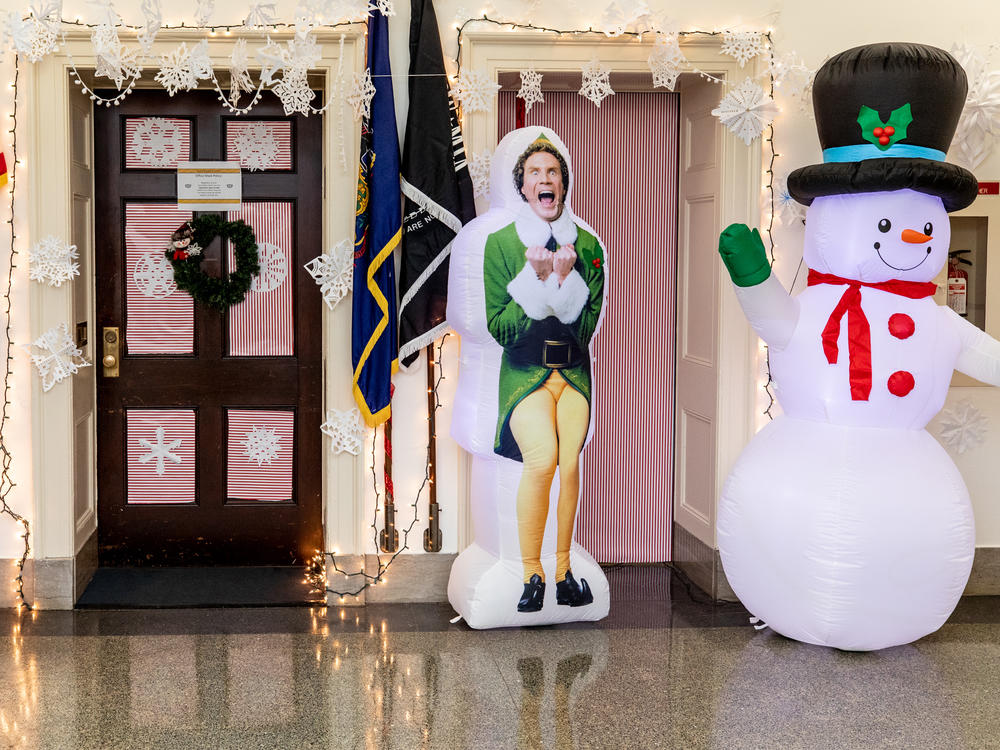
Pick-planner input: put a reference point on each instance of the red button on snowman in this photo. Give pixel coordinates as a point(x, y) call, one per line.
point(843, 522)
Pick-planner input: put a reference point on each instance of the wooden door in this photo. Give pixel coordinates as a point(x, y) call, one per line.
point(209, 447)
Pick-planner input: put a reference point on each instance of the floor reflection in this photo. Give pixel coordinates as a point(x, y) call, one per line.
point(663, 672)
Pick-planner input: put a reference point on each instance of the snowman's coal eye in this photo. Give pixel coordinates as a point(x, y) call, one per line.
point(885, 225)
point(929, 229)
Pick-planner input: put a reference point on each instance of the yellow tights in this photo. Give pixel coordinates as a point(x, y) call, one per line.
point(549, 425)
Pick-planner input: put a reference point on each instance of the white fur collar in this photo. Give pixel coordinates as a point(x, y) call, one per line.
point(534, 230)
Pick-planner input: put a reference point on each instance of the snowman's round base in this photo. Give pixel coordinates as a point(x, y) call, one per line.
point(856, 538)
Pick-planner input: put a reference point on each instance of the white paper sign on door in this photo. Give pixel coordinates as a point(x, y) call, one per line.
point(209, 185)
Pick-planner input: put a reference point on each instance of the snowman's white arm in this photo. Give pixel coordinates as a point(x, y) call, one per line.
point(980, 353)
point(772, 313)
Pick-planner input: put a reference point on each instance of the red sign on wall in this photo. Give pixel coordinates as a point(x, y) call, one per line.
point(989, 188)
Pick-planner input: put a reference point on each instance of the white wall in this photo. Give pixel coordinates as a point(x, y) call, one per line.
point(813, 30)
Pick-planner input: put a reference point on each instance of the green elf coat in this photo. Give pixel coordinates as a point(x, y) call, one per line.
point(577, 305)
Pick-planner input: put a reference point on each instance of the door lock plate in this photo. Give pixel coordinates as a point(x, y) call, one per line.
point(110, 358)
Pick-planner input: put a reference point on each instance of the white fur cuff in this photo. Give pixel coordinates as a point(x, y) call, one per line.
point(530, 293)
point(568, 300)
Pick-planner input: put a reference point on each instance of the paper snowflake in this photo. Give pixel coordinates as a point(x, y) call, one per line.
point(57, 357)
point(157, 142)
point(361, 94)
point(293, 60)
point(256, 146)
point(181, 70)
point(963, 426)
point(53, 261)
point(596, 86)
point(295, 93)
point(153, 20)
point(531, 89)
point(160, 451)
point(634, 16)
point(385, 7)
point(667, 61)
point(262, 445)
point(746, 110)
point(345, 11)
point(980, 120)
point(203, 12)
point(30, 36)
point(792, 212)
point(273, 268)
point(475, 90)
point(479, 171)
point(239, 72)
point(743, 45)
point(114, 60)
point(261, 14)
point(345, 430)
point(154, 276)
point(334, 272)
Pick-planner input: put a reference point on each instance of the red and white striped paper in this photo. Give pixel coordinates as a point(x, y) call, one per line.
point(177, 482)
point(262, 325)
point(625, 186)
point(279, 130)
point(154, 325)
point(272, 480)
point(142, 149)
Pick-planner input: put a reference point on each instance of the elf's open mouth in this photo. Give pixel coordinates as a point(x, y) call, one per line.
point(546, 197)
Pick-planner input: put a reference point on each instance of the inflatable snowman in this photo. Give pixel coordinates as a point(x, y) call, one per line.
point(843, 522)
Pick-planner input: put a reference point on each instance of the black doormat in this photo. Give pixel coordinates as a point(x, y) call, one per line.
point(131, 588)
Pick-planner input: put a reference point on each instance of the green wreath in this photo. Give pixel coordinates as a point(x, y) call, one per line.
point(185, 255)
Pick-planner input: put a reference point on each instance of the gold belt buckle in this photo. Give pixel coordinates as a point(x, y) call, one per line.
point(555, 354)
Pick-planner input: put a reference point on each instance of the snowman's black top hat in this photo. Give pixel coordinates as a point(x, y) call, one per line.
point(886, 114)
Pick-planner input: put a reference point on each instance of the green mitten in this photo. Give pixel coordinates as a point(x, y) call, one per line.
point(742, 251)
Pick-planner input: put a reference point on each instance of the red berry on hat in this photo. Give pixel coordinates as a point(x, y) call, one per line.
point(884, 140)
point(890, 130)
point(596, 262)
point(877, 132)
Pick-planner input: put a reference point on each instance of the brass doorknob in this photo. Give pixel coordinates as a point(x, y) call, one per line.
point(110, 361)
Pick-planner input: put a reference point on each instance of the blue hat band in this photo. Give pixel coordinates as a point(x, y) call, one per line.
point(864, 151)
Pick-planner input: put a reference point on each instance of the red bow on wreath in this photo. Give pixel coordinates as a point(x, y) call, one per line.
point(180, 255)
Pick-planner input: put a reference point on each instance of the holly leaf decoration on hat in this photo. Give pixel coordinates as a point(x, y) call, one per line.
point(884, 134)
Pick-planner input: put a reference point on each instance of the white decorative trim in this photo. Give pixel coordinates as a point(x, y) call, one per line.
point(530, 293)
point(534, 230)
point(567, 300)
point(435, 209)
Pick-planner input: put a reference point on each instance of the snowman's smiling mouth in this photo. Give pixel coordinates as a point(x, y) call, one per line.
point(898, 268)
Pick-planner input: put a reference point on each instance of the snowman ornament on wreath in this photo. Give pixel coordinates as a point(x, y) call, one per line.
point(844, 523)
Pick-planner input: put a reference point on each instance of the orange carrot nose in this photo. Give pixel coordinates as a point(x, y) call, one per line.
point(915, 237)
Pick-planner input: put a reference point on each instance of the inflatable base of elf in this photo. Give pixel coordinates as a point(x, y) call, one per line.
point(487, 580)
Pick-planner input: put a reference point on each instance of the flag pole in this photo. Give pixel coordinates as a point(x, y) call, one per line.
point(388, 538)
point(432, 534)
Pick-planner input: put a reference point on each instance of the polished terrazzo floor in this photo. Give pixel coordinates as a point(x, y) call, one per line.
point(667, 669)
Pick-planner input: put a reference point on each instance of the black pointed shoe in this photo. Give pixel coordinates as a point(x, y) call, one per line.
point(533, 596)
point(568, 591)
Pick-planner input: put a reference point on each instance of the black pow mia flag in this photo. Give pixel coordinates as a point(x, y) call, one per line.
point(437, 188)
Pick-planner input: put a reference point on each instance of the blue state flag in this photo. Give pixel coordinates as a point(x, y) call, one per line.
point(378, 229)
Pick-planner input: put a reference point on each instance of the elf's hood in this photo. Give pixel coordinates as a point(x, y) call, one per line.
point(503, 191)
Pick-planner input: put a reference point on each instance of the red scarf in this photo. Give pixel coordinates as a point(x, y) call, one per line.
point(859, 337)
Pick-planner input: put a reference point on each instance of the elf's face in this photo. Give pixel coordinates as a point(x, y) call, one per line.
point(543, 187)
